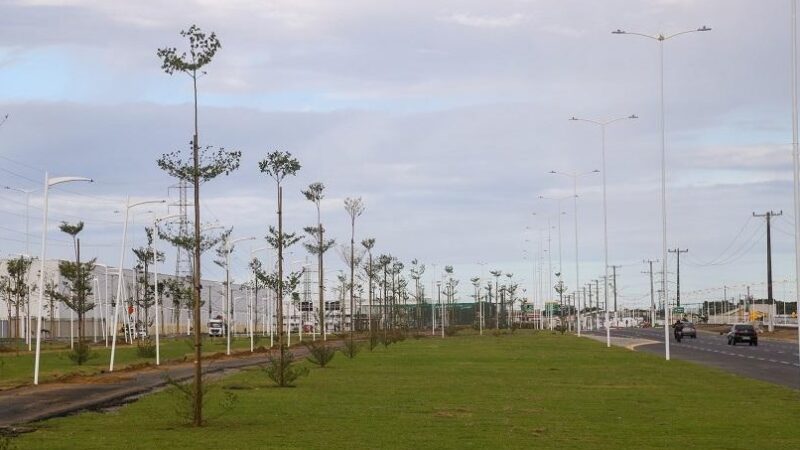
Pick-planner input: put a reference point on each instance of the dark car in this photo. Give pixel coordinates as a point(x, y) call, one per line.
point(742, 333)
point(689, 330)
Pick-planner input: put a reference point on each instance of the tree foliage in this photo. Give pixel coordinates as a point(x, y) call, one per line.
point(202, 48)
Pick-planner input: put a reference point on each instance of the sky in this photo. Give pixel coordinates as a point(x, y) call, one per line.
point(446, 117)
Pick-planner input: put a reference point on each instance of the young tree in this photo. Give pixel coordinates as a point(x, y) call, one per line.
point(202, 48)
point(417, 270)
point(78, 277)
point(511, 290)
point(368, 244)
point(384, 263)
point(145, 258)
point(318, 246)
point(450, 288)
point(496, 274)
point(278, 165)
point(15, 287)
point(354, 208)
point(476, 283)
point(256, 284)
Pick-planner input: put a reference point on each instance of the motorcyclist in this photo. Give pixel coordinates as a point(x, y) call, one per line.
point(678, 326)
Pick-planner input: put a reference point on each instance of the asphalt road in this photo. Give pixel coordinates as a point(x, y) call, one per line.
point(772, 361)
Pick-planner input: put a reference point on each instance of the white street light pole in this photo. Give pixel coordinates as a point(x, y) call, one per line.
point(118, 298)
point(253, 299)
point(228, 291)
point(575, 176)
point(47, 183)
point(602, 124)
point(796, 167)
point(156, 220)
point(660, 38)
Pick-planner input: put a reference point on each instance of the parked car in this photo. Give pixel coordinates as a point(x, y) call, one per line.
point(689, 330)
point(743, 332)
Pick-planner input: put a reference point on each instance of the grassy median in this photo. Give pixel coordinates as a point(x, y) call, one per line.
point(17, 369)
point(522, 391)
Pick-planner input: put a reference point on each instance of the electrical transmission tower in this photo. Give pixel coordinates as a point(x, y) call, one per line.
point(183, 258)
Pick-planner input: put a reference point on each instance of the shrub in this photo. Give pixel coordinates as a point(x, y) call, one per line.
point(374, 340)
point(146, 348)
point(183, 396)
point(280, 369)
point(81, 353)
point(319, 353)
point(350, 348)
point(450, 331)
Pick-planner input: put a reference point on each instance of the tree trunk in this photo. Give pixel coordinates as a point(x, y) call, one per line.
point(280, 284)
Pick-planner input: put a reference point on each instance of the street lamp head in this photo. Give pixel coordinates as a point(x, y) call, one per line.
point(618, 31)
point(633, 116)
point(59, 180)
point(573, 118)
point(541, 196)
point(704, 28)
point(596, 171)
point(552, 171)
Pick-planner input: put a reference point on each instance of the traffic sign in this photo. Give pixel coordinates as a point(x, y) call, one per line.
point(678, 310)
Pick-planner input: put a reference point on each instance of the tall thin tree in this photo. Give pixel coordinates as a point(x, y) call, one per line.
point(314, 194)
point(354, 208)
point(78, 276)
point(368, 244)
point(278, 165)
point(202, 48)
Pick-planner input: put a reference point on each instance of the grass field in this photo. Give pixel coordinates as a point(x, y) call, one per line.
point(17, 370)
point(522, 391)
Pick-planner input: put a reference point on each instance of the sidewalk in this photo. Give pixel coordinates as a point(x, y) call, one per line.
point(629, 343)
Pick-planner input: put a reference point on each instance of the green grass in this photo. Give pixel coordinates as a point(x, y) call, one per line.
point(17, 370)
point(522, 391)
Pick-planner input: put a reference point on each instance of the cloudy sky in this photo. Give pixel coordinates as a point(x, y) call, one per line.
point(445, 116)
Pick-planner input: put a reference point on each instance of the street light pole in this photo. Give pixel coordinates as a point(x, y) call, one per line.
point(660, 38)
point(48, 182)
point(575, 175)
point(118, 297)
point(603, 124)
point(254, 299)
point(228, 291)
point(796, 170)
point(156, 220)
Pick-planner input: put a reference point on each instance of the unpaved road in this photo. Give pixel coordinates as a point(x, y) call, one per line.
point(32, 403)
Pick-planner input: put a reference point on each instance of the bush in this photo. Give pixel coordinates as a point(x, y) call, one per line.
point(146, 348)
point(6, 444)
point(450, 331)
point(280, 369)
point(374, 340)
point(81, 353)
point(183, 395)
point(350, 348)
point(319, 353)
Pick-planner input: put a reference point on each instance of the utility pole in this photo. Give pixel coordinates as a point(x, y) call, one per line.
point(597, 302)
point(652, 293)
point(589, 306)
point(614, 276)
point(678, 252)
point(770, 301)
